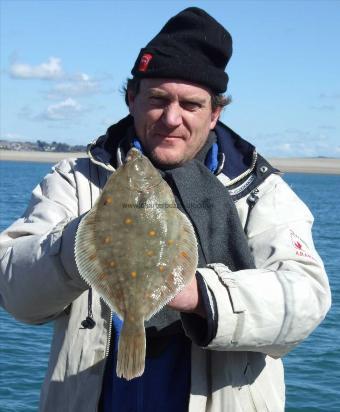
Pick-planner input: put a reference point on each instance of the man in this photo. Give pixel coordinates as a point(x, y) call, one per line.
point(216, 346)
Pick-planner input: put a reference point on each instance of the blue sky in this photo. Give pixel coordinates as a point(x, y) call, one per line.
point(63, 64)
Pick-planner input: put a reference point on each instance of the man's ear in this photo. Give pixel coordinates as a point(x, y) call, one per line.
point(215, 115)
point(131, 100)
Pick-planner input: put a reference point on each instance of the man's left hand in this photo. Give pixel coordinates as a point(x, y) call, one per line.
point(188, 300)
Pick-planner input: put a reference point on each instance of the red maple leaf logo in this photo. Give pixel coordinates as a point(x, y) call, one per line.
point(298, 245)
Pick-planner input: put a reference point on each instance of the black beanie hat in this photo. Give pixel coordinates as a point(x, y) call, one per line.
point(191, 46)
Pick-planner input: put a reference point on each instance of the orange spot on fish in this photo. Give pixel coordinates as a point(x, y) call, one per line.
point(184, 254)
point(150, 253)
point(152, 233)
point(107, 240)
point(162, 268)
point(108, 200)
point(103, 276)
point(133, 274)
point(170, 242)
point(128, 221)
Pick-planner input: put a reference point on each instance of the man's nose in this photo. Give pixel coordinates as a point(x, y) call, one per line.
point(172, 115)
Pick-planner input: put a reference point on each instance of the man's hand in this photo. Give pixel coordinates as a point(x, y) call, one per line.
point(188, 300)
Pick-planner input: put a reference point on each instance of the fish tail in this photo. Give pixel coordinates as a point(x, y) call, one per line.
point(131, 350)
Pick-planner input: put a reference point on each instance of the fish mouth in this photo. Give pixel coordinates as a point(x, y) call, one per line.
point(140, 174)
point(133, 154)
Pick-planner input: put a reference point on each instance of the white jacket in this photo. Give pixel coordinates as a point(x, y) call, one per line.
point(262, 313)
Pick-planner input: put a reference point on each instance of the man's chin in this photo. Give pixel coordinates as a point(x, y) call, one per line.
point(163, 161)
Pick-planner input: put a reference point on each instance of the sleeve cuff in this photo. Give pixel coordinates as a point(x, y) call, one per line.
point(221, 282)
point(202, 330)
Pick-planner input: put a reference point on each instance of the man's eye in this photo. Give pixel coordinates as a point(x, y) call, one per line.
point(191, 106)
point(159, 101)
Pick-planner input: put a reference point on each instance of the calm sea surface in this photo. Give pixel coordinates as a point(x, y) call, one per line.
point(312, 369)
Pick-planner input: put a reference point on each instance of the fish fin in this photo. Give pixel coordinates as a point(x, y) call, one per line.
point(188, 251)
point(88, 265)
point(184, 269)
point(131, 350)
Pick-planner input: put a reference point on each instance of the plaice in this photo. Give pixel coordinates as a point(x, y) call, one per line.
point(137, 250)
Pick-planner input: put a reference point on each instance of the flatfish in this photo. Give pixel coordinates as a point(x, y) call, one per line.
point(137, 250)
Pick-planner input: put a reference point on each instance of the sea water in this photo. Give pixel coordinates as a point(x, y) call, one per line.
point(312, 370)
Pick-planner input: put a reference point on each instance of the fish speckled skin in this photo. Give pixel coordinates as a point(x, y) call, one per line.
point(137, 250)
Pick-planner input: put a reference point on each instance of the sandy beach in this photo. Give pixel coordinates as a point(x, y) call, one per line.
point(296, 165)
point(307, 165)
point(39, 157)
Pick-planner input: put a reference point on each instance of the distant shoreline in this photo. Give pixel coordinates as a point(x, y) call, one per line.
point(290, 165)
point(37, 156)
point(319, 165)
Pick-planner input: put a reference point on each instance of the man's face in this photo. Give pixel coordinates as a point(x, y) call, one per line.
point(172, 119)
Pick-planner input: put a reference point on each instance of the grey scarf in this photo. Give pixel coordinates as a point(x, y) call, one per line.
point(221, 239)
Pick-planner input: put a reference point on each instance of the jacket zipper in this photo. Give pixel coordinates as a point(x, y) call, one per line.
point(109, 337)
point(246, 173)
point(251, 200)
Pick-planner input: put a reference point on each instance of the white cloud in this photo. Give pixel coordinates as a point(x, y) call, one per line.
point(25, 112)
point(13, 136)
point(330, 96)
point(64, 110)
point(295, 142)
point(81, 84)
point(327, 127)
point(285, 147)
point(106, 122)
point(50, 70)
point(324, 107)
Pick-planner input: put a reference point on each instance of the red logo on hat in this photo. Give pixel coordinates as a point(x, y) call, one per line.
point(144, 62)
